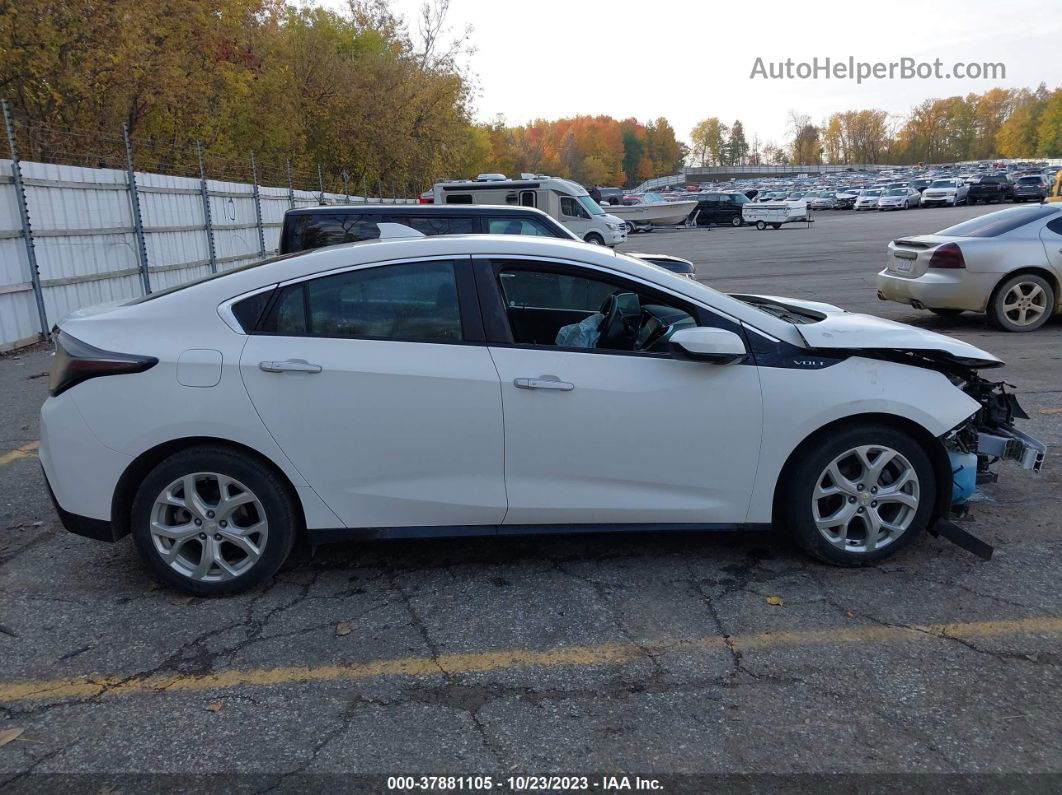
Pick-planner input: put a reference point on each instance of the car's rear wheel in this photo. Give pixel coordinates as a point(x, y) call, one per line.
point(761, 225)
point(859, 496)
point(212, 521)
point(737, 220)
point(1022, 303)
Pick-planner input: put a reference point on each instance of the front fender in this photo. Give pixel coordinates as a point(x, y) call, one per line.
point(797, 403)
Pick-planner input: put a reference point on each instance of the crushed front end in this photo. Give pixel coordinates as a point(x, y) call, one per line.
point(990, 433)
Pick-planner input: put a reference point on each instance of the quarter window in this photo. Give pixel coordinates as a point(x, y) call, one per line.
point(410, 301)
point(1055, 226)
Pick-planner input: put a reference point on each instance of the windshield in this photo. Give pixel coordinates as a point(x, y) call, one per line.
point(942, 183)
point(999, 223)
point(870, 193)
point(590, 205)
point(1029, 181)
point(897, 192)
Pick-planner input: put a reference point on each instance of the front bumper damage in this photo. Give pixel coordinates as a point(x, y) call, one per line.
point(990, 435)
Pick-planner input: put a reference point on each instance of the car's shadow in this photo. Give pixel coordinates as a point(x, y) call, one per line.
point(415, 554)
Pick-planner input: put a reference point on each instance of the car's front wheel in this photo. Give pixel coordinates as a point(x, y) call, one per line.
point(213, 521)
point(595, 239)
point(861, 495)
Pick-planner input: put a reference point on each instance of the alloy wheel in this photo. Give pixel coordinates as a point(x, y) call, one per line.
point(865, 499)
point(1025, 303)
point(209, 527)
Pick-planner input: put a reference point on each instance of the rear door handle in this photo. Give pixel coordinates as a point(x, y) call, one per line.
point(543, 382)
point(290, 366)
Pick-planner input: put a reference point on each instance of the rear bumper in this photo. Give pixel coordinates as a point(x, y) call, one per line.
point(82, 472)
point(938, 289)
point(99, 529)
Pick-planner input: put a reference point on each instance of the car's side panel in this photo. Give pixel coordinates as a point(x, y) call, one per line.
point(795, 408)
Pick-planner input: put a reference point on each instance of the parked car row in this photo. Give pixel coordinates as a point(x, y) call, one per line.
point(947, 185)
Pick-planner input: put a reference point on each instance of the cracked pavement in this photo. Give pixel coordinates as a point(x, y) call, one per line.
point(610, 654)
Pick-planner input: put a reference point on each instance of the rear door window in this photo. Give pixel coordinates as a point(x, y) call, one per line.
point(447, 225)
point(406, 301)
point(517, 226)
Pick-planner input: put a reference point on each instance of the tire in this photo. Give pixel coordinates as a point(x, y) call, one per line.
point(761, 225)
point(906, 206)
point(970, 201)
point(229, 541)
point(845, 543)
point(737, 221)
point(1025, 291)
point(776, 226)
point(594, 238)
point(946, 312)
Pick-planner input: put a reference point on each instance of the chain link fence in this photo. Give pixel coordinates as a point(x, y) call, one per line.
point(88, 217)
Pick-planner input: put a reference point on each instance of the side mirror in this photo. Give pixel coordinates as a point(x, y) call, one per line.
point(706, 344)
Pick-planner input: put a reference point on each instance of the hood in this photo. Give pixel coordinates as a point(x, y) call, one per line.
point(612, 219)
point(815, 307)
point(849, 331)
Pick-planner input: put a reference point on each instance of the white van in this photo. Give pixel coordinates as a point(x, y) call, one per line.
point(562, 199)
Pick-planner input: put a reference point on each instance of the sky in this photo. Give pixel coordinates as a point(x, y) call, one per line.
point(689, 60)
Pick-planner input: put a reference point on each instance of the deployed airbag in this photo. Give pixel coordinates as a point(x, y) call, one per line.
point(583, 334)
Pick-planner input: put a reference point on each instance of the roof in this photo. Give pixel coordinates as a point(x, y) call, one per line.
point(416, 209)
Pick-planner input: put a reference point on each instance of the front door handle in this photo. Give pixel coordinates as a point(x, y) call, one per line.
point(290, 366)
point(543, 382)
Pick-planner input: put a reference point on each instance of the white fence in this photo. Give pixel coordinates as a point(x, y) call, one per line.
point(86, 245)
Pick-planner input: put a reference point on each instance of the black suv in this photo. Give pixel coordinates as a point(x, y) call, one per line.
point(314, 227)
point(990, 188)
point(717, 207)
point(1031, 188)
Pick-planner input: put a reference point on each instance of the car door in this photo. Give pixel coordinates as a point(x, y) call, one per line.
point(595, 435)
point(377, 384)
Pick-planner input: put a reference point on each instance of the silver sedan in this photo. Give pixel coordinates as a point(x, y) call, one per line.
point(1007, 263)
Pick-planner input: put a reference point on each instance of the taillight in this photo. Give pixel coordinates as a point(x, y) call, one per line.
point(76, 361)
point(947, 256)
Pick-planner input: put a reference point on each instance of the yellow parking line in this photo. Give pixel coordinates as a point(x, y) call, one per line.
point(25, 451)
point(478, 662)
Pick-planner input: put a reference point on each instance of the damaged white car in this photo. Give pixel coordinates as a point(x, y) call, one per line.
point(491, 385)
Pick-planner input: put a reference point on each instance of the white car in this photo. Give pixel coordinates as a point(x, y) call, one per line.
point(868, 199)
point(899, 199)
point(496, 385)
point(945, 191)
point(1007, 263)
